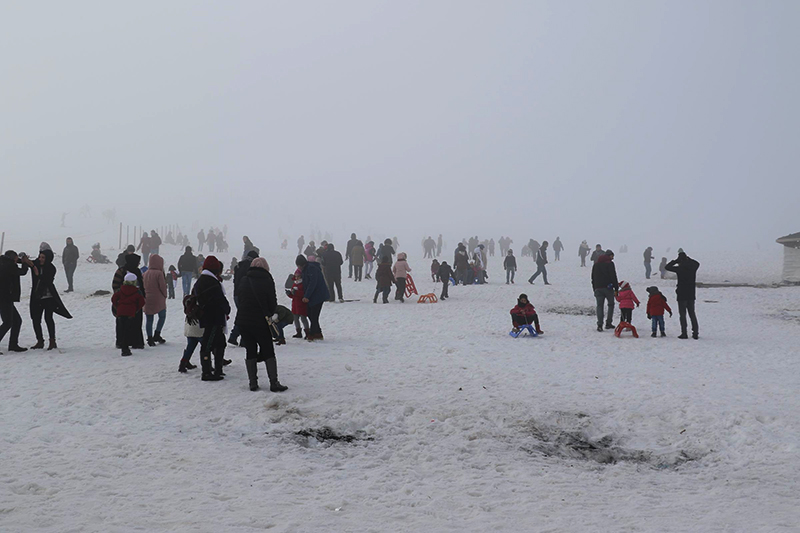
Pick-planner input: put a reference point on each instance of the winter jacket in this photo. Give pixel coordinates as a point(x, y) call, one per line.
point(10, 275)
point(657, 304)
point(284, 315)
point(211, 297)
point(131, 265)
point(523, 314)
point(385, 250)
point(461, 259)
point(558, 246)
point(257, 299)
point(626, 298)
point(316, 290)
point(384, 276)
point(369, 253)
point(332, 262)
point(401, 268)
point(155, 286)
point(648, 255)
point(299, 307)
point(357, 254)
point(70, 255)
point(541, 257)
point(240, 272)
point(445, 273)
point(510, 263)
point(604, 274)
point(187, 263)
point(309, 251)
point(597, 254)
point(349, 249)
point(127, 301)
point(686, 269)
point(43, 288)
point(144, 244)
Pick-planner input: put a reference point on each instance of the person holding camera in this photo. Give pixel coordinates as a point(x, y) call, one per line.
point(12, 268)
point(45, 299)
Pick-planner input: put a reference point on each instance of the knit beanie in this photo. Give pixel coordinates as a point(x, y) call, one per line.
point(212, 264)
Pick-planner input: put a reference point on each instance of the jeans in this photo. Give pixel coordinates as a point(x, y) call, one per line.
point(385, 292)
point(626, 315)
point(603, 295)
point(39, 307)
point(358, 271)
point(543, 271)
point(191, 344)
point(647, 269)
point(337, 282)
point(69, 270)
point(658, 321)
point(313, 316)
point(510, 275)
point(445, 285)
point(148, 327)
point(400, 293)
point(186, 280)
point(11, 322)
point(350, 269)
point(280, 325)
point(583, 260)
point(200, 246)
point(558, 255)
point(687, 306)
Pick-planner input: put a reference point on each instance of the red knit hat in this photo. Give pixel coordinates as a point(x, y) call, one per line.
point(212, 264)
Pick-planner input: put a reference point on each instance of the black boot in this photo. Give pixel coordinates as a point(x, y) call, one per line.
point(151, 341)
point(219, 362)
point(16, 348)
point(252, 373)
point(158, 338)
point(208, 374)
point(272, 372)
point(299, 334)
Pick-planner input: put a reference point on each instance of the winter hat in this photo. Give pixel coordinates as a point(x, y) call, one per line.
point(401, 256)
point(523, 295)
point(252, 254)
point(624, 285)
point(259, 262)
point(212, 264)
point(609, 252)
point(653, 290)
point(130, 277)
point(44, 246)
point(510, 252)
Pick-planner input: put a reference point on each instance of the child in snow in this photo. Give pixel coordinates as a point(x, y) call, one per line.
point(400, 270)
point(524, 313)
point(626, 300)
point(282, 318)
point(299, 307)
point(193, 334)
point(172, 277)
point(435, 270)
point(662, 268)
point(510, 266)
point(127, 301)
point(444, 274)
point(656, 305)
point(384, 279)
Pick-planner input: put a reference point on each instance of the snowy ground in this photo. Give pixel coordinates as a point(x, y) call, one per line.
point(461, 427)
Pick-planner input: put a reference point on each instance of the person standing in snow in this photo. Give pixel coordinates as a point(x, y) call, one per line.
point(627, 299)
point(301, 241)
point(144, 246)
point(127, 302)
point(557, 247)
point(69, 258)
point(357, 254)
point(605, 286)
point(400, 271)
point(187, 266)
point(439, 244)
point(384, 279)
point(121, 261)
point(239, 273)
point(597, 254)
point(257, 300)
point(45, 299)
point(583, 251)
point(155, 286)
point(656, 305)
point(299, 307)
point(135, 338)
point(461, 263)
point(332, 267)
point(349, 248)
point(201, 240)
point(510, 266)
point(686, 269)
point(10, 293)
point(155, 242)
point(648, 259)
point(429, 247)
point(216, 309)
point(369, 259)
point(445, 273)
point(541, 262)
point(316, 294)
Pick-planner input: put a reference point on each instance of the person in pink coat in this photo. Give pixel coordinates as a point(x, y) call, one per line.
point(400, 270)
point(627, 300)
point(369, 259)
point(155, 301)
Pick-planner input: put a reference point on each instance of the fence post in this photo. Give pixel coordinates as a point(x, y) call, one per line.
point(2, 242)
point(127, 235)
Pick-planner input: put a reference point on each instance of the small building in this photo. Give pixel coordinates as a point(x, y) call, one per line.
point(791, 257)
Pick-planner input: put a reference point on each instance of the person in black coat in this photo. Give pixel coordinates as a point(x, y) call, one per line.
point(187, 267)
point(605, 286)
point(134, 331)
point(445, 273)
point(332, 266)
point(315, 294)
point(460, 263)
point(350, 244)
point(215, 311)
point(69, 258)
point(686, 269)
point(541, 261)
point(239, 274)
point(10, 293)
point(257, 305)
point(510, 266)
point(123, 254)
point(45, 299)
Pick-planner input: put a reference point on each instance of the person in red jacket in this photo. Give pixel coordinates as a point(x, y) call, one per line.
point(656, 305)
point(627, 300)
point(127, 301)
point(524, 313)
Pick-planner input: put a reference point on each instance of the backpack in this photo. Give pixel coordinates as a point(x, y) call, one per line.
point(192, 309)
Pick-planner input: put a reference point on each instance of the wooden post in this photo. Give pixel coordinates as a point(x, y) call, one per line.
point(127, 235)
point(2, 242)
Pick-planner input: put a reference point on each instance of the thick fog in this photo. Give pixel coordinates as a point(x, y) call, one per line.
point(661, 123)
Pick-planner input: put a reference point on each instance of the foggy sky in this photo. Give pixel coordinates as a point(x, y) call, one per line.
point(638, 121)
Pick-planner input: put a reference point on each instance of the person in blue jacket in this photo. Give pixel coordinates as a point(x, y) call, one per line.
point(316, 293)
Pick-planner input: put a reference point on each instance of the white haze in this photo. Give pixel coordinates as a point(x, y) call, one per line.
point(662, 123)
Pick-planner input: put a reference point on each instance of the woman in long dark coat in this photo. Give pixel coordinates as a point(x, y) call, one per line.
point(45, 299)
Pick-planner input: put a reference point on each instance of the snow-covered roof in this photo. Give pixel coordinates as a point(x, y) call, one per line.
point(792, 240)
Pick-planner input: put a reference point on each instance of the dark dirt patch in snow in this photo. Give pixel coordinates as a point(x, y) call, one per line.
point(327, 435)
point(577, 310)
point(576, 444)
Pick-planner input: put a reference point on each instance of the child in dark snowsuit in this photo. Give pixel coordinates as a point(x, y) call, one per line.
point(524, 313)
point(384, 279)
point(445, 273)
point(435, 270)
point(656, 305)
point(127, 302)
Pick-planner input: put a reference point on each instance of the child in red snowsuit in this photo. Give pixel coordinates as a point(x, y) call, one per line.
point(524, 313)
point(299, 308)
point(656, 305)
point(627, 300)
point(126, 302)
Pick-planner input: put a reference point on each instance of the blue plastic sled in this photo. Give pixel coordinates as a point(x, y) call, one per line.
point(522, 329)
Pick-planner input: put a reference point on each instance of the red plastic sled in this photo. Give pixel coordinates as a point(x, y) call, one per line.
point(623, 326)
point(410, 287)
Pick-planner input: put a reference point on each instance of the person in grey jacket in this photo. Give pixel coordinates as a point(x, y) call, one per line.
point(69, 258)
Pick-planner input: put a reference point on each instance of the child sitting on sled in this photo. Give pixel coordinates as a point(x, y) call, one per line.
point(524, 314)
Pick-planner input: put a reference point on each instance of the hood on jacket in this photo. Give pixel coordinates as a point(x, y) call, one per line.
point(604, 259)
point(259, 262)
point(624, 285)
point(652, 291)
point(252, 254)
point(156, 262)
point(48, 256)
point(519, 300)
point(132, 261)
point(401, 256)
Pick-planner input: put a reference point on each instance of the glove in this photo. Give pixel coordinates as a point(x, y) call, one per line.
point(649, 317)
point(274, 317)
point(670, 314)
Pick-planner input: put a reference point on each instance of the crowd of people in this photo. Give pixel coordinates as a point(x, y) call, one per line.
point(141, 287)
